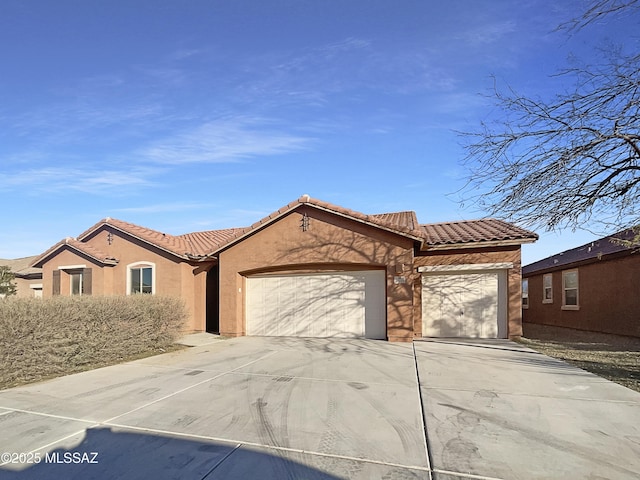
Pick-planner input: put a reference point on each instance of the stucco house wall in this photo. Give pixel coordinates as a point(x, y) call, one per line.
point(493, 255)
point(331, 243)
point(172, 277)
point(28, 280)
point(28, 288)
point(210, 270)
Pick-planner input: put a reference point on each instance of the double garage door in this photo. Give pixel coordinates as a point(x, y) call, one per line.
point(471, 305)
point(337, 304)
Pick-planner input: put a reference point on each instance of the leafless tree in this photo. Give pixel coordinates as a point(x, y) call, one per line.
point(571, 160)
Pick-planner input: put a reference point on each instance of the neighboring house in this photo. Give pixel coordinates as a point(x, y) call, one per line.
point(311, 269)
point(28, 279)
point(593, 287)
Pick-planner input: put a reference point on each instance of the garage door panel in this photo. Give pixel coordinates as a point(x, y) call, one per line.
point(345, 304)
point(461, 305)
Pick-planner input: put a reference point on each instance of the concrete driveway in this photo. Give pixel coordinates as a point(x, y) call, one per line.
point(281, 408)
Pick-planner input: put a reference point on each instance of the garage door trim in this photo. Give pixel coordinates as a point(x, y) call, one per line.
point(467, 267)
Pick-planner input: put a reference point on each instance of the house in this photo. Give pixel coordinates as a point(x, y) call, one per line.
point(311, 269)
point(28, 279)
point(593, 287)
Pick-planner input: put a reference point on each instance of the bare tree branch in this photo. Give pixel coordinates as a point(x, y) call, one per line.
point(568, 161)
point(598, 10)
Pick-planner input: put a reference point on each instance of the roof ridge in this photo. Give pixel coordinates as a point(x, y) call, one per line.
point(82, 247)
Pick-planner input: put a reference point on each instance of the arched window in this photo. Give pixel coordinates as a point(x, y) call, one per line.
point(141, 278)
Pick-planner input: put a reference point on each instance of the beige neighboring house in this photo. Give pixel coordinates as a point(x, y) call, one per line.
point(311, 269)
point(28, 279)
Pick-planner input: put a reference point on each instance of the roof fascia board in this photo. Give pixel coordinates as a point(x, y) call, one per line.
point(371, 224)
point(115, 227)
point(494, 243)
point(55, 250)
point(287, 211)
point(250, 231)
point(580, 263)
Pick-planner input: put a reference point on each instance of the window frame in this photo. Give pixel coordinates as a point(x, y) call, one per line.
point(80, 275)
point(525, 293)
point(565, 306)
point(139, 266)
point(549, 287)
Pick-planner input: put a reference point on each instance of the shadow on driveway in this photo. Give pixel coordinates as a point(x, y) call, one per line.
point(105, 453)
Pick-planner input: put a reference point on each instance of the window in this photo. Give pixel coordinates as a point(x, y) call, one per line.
point(525, 293)
point(75, 279)
point(76, 283)
point(570, 290)
point(141, 279)
point(547, 288)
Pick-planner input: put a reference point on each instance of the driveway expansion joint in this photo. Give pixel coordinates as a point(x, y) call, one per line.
point(422, 417)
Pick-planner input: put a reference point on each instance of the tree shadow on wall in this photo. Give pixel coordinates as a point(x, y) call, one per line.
point(461, 306)
point(354, 250)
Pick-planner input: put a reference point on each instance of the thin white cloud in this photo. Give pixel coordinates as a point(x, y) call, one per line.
point(165, 207)
point(74, 178)
point(488, 33)
point(227, 140)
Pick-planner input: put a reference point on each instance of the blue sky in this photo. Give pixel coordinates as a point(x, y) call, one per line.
point(195, 115)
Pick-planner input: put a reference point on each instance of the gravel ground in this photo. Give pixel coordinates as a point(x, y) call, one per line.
point(614, 357)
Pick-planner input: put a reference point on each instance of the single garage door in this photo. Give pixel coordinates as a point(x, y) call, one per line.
point(339, 304)
point(463, 305)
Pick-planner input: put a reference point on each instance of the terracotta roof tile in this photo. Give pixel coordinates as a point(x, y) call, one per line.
point(198, 245)
point(202, 243)
point(170, 243)
point(474, 231)
point(79, 246)
point(405, 219)
point(165, 241)
point(398, 223)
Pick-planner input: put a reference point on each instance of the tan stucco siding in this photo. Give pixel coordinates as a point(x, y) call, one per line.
point(330, 243)
point(173, 277)
point(476, 256)
point(70, 258)
point(23, 287)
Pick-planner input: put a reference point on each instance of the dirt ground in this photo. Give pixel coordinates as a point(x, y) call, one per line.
point(614, 357)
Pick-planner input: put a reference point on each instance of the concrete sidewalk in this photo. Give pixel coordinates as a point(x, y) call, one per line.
point(274, 408)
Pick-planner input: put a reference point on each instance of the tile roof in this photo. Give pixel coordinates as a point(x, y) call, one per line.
point(188, 245)
point(205, 244)
point(170, 243)
point(21, 266)
point(618, 243)
point(405, 219)
point(476, 232)
point(79, 246)
point(397, 223)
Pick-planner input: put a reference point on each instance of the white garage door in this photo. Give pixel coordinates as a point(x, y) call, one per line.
point(462, 305)
point(344, 304)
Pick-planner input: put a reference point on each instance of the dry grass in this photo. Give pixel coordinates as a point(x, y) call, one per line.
point(40, 339)
point(614, 357)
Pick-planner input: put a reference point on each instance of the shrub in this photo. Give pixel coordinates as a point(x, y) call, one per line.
point(40, 338)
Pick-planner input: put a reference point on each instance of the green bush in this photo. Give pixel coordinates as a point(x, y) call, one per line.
point(40, 338)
